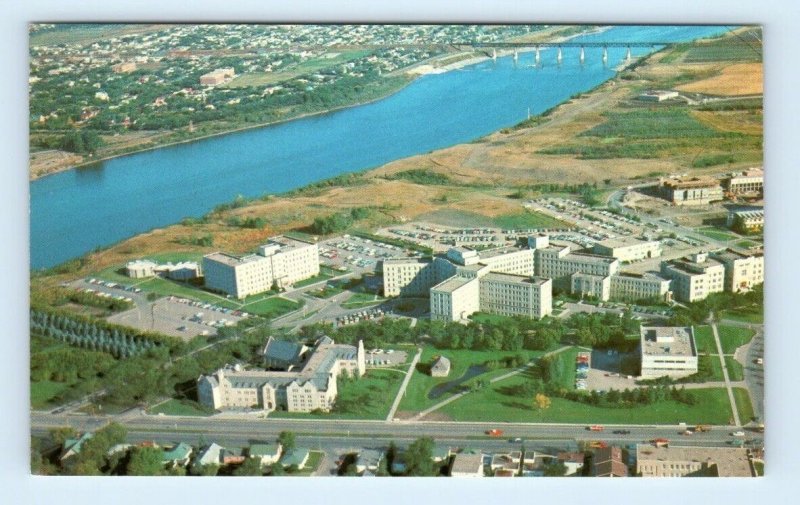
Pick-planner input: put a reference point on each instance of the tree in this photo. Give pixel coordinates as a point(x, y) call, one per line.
point(276, 469)
point(542, 401)
point(287, 440)
point(60, 435)
point(146, 461)
point(250, 468)
point(418, 457)
point(557, 469)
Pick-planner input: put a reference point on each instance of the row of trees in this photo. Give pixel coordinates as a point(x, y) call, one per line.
point(340, 221)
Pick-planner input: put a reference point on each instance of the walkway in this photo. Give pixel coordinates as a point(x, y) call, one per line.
point(403, 386)
point(491, 381)
point(731, 398)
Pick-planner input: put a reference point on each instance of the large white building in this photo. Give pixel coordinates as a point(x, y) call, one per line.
point(746, 221)
point(558, 263)
point(668, 351)
point(674, 461)
point(280, 262)
point(749, 182)
point(742, 271)
point(627, 286)
point(694, 277)
point(628, 249)
point(516, 295)
point(307, 383)
point(409, 276)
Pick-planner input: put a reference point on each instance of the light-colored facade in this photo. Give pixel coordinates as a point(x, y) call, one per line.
point(467, 465)
point(455, 299)
point(630, 287)
point(218, 76)
point(440, 367)
point(509, 260)
point(658, 95)
point(749, 182)
point(281, 262)
point(742, 271)
point(139, 269)
point(558, 263)
point(694, 277)
point(746, 221)
point(674, 461)
point(668, 351)
point(694, 190)
point(311, 387)
point(183, 271)
point(409, 276)
point(594, 286)
point(628, 249)
point(516, 295)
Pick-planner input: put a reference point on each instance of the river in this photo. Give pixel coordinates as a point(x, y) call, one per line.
point(76, 211)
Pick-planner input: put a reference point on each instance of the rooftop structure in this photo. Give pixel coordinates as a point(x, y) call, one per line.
point(668, 351)
point(749, 182)
point(655, 95)
point(694, 277)
point(693, 190)
point(675, 461)
point(628, 248)
point(746, 221)
point(467, 465)
point(440, 367)
point(742, 271)
point(608, 462)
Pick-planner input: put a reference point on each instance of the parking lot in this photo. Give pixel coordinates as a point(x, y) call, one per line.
point(361, 255)
point(385, 358)
point(178, 317)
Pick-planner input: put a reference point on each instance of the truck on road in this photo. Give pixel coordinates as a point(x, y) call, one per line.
point(702, 428)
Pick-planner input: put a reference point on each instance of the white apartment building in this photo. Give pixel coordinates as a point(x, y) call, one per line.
point(281, 262)
point(694, 277)
point(631, 287)
point(509, 260)
point(311, 387)
point(595, 286)
point(746, 220)
point(408, 276)
point(516, 295)
point(742, 271)
point(668, 351)
point(455, 299)
point(628, 249)
point(558, 263)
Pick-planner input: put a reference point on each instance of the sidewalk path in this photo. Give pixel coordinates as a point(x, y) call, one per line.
point(732, 400)
point(403, 386)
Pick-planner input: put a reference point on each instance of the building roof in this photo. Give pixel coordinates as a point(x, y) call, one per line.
point(608, 462)
point(730, 255)
point(467, 463)
point(501, 251)
point(407, 261)
point(452, 284)
point(613, 243)
point(260, 450)
point(232, 260)
point(177, 453)
point(371, 458)
point(646, 275)
point(519, 279)
point(691, 267)
point(211, 455)
point(590, 258)
point(727, 461)
point(73, 445)
point(287, 243)
point(667, 341)
point(441, 363)
point(296, 456)
point(282, 350)
point(701, 181)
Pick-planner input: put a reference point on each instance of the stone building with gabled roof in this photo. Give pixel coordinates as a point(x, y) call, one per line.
point(440, 367)
point(306, 382)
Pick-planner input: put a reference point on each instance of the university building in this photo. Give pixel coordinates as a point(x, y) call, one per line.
point(749, 182)
point(742, 271)
point(281, 262)
point(628, 249)
point(694, 190)
point(668, 351)
point(694, 277)
point(305, 379)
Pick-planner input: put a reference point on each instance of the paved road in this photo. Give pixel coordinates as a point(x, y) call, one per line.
point(401, 392)
point(753, 372)
point(725, 375)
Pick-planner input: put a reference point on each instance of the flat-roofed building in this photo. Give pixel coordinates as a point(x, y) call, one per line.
point(595, 286)
point(746, 221)
point(467, 465)
point(668, 351)
point(628, 248)
point(281, 262)
point(631, 287)
point(676, 461)
point(313, 386)
point(657, 95)
point(509, 260)
point(455, 299)
point(693, 190)
point(218, 76)
point(408, 276)
point(516, 295)
point(749, 182)
point(139, 269)
point(742, 271)
point(694, 277)
point(558, 263)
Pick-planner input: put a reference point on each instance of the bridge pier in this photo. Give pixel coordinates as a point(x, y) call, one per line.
point(605, 55)
point(628, 54)
point(558, 56)
point(494, 54)
point(583, 55)
point(537, 56)
point(516, 56)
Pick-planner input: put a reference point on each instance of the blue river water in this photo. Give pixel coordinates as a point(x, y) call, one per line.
point(76, 211)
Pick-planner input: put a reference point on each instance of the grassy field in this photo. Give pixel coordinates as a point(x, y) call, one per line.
point(176, 407)
point(735, 369)
point(704, 340)
point(743, 404)
point(457, 218)
point(271, 307)
point(416, 396)
point(499, 404)
point(745, 316)
point(376, 390)
point(359, 300)
point(746, 244)
point(43, 392)
point(314, 459)
point(732, 337)
point(166, 287)
point(324, 274)
point(527, 219)
point(716, 368)
point(717, 233)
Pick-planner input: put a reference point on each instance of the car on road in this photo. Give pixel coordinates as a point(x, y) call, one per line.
point(687, 432)
point(737, 433)
point(595, 427)
point(515, 439)
point(494, 432)
point(622, 432)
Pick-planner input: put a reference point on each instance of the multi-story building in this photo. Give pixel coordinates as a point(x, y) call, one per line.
point(455, 299)
point(694, 190)
point(628, 249)
point(675, 461)
point(280, 263)
point(630, 287)
point(409, 276)
point(558, 263)
point(668, 351)
point(749, 182)
point(312, 386)
point(509, 260)
point(742, 271)
point(516, 295)
point(595, 286)
point(694, 277)
point(746, 221)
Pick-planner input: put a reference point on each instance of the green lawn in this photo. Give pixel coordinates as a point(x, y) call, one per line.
point(166, 287)
point(745, 316)
point(759, 468)
point(375, 392)
point(746, 244)
point(704, 340)
point(743, 405)
point(359, 300)
point(717, 233)
point(43, 392)
point(732, 337)
point(176, 407)
point(324, 274)
point(735, 369)
point(272, 307)
point(325, 292)
point(499, 404)
point(716, 368)
point(528, 219)
point(416, 395)
point(314, 459)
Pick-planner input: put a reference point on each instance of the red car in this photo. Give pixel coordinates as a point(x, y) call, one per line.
point(494, 433)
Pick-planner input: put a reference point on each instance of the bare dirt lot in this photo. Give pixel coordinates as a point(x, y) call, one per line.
point(738, 79)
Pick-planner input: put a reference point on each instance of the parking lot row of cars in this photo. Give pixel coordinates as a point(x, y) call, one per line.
point(581, 370)
point(359, 252)
point(364, 315)
point(103, 294)
point(113, 285)
point(209, 306)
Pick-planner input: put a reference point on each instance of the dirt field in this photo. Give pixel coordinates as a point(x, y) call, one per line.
point(733, 80)
point(49, 162)
point(750, 123)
